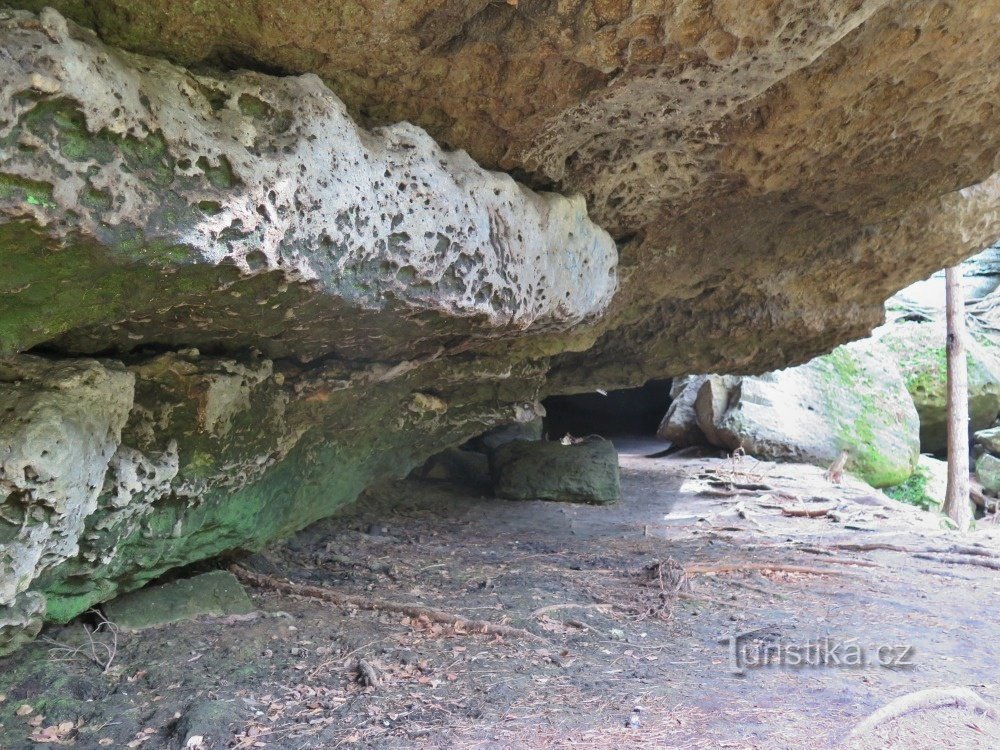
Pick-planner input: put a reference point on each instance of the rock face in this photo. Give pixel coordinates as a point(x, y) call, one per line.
point(584, 472)
point(919, 351)
point(758, 181)
point(847, 401)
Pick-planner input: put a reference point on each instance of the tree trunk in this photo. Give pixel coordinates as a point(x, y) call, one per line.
point(956, 503)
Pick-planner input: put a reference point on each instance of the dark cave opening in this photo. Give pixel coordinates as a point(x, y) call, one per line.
point(629, 411)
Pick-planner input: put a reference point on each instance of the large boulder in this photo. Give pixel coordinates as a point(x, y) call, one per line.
point(918, 349)
point(680, 424)
point(585, 472)
point(851, 401)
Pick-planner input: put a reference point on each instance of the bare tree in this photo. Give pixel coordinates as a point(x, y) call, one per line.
point(956, 503)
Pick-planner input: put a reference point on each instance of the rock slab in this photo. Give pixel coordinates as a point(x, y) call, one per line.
point(213, 594)
point(584, 472)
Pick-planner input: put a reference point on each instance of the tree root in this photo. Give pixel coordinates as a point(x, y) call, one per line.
point(700, 569)
point(922, 700)
point(952, 554)
point(261, 581)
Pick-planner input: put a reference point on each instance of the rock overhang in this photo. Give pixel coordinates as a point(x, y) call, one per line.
point(771, 175)
point(164, 169)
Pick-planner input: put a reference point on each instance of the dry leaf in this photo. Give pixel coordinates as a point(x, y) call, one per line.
point(24, 709)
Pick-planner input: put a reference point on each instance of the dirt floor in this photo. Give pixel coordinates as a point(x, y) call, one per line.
point(630, 610)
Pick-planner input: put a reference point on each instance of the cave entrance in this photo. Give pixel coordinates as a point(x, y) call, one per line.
point(629, 411)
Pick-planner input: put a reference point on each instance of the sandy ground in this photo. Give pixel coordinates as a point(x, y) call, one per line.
point(631, 607)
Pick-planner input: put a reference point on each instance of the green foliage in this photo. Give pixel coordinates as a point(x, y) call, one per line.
point(914, 491)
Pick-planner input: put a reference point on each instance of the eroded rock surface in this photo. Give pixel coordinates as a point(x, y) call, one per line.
point(194, 188)
point(363, 297)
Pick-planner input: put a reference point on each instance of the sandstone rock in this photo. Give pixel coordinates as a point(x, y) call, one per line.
point(365, 298)
point(851, 400)
point(988, 472)
point(918, 349)
point(584, 472)
point(251, 195)
point(21, 620)
point(989, 440)
point(680, 423)
point(216, 594)
point(712, 403)
point(61, 427)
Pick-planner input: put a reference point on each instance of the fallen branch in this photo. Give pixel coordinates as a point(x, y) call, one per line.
point(923, 700)
point(415, 611)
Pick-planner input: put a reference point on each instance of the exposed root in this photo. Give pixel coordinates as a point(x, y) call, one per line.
point(923, 700)
point(952, 554)
point(262, 581)
point(702, 569)
point(806, 512)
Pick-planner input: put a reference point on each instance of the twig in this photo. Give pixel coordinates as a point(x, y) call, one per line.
point(806, 512)
point(260, 580)
point(94, 650)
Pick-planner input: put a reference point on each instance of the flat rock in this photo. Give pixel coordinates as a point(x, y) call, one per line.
point(215, 594)
point(584, 472)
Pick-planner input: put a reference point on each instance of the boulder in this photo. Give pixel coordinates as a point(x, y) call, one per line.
point(214, 594)
point(988, 473)
point(852, 400)
point(585, 472)
point(989, 440)
point(919, 351)
point(680, 423)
